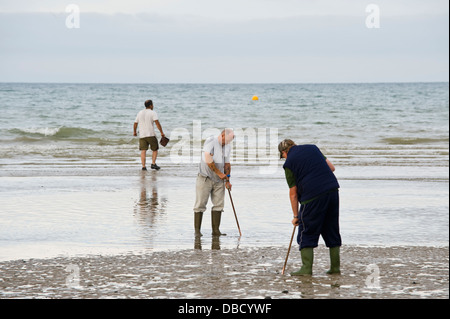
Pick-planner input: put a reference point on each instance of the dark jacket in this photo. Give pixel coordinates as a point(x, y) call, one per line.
point(313, 175)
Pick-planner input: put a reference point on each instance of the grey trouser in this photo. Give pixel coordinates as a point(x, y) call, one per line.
point(206, 187)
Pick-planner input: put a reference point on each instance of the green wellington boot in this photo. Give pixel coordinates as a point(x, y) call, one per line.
point(335, 260)
point(215, 222)
point(198, 216)
point(307, 262)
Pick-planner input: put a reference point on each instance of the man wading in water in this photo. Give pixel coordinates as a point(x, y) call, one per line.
point(312, 183)
point(214, 169)
point(145, 119)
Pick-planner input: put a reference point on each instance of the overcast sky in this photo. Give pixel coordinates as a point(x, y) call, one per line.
point(209, 41)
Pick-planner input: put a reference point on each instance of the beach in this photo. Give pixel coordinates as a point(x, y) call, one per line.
point(115, 210)
point(85, 215)
point(79, 219)
point(247, 273)
point(103, 236)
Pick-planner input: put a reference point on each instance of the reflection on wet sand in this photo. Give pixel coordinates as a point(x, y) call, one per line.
point(215, 242)
point(200, 241)
point(150, 207)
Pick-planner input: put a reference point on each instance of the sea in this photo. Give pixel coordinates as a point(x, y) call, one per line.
point(71, 180)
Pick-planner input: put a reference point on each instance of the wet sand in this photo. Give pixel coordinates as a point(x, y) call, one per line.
point(367, 272)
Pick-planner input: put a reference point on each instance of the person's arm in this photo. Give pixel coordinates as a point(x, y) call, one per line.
point(134, 129)
point(227, 168)
point(158, 125)
point(227, 171)
point(330, 165)
point(293, 191)
point(210, 162)
point(294, 204)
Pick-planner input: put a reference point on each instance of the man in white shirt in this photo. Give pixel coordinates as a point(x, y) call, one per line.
point(214, 169)
point(145, 120)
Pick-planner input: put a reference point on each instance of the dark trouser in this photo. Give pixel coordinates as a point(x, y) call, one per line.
point(320, 217)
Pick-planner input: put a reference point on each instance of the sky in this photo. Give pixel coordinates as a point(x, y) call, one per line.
point(212, 41)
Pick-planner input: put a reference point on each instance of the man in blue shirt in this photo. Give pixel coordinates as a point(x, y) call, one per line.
point(312, 184)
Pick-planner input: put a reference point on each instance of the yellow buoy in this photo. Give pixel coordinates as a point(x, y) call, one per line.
point(255, 98)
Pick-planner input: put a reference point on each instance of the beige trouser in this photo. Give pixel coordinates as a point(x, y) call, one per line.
point(206, 187)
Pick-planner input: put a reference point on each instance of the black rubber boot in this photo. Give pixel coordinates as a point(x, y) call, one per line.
point(215, 222)
point(198, 216)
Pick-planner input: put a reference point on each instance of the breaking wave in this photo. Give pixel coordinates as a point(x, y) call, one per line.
point(413, 140)
point(57, 132)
